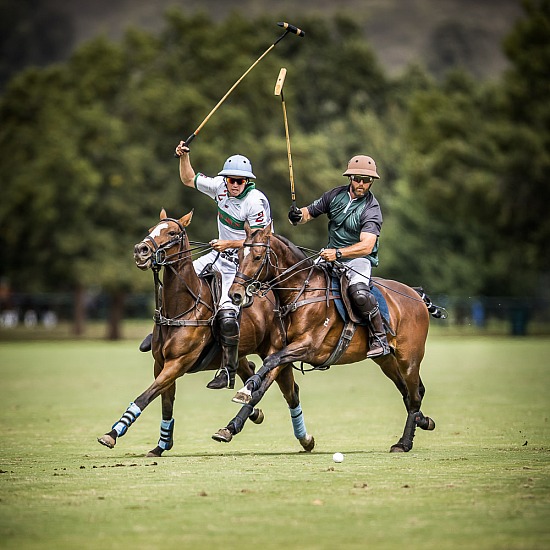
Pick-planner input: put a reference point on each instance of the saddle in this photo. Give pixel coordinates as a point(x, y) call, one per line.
point(214, 281)
point(340, 284)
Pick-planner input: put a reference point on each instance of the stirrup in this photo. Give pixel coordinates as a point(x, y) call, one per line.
point(378, 350)
point(222, 380)
point(146, 345)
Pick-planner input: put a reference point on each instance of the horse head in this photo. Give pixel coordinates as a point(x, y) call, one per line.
point(164, 243)
point(255, 265)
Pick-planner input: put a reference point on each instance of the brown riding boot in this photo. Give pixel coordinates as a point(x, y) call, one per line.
point(229, 340)
point(366, 306)
point(378, 343)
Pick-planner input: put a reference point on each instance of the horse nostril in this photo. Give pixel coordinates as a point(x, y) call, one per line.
point(237, 298)
point(140, 249)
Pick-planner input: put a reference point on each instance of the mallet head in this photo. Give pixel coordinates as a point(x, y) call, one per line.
point(280, 81)
point(291, 28)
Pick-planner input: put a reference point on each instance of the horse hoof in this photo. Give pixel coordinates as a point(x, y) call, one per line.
point(431, 424)
point(107, 440)
point(399, 448)
point(257, 416)
point(223, 436)
point(242, 397)
point(307, 442)
point(156, 452)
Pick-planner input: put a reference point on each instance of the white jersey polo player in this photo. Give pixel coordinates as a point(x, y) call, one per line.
point(238, 201)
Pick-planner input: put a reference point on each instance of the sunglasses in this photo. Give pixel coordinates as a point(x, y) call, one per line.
point(362, 179)
point(238, 181)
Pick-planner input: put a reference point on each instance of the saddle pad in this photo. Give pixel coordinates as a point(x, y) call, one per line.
point(382, 304)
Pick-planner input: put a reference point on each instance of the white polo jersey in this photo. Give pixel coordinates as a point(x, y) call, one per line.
point(251, 206)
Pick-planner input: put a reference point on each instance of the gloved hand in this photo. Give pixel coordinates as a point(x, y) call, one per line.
point(295, 215)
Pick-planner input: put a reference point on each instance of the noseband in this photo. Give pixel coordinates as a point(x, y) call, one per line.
point(253, 284)
point(160, 257)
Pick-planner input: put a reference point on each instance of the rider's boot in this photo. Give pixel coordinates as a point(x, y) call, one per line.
point(366, 306)
point(229, 339)
point(147, 343)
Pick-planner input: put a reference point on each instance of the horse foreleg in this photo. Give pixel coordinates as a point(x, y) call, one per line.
point(293, 352)
point(164, 380)
point(166, 441)
point(291, 393)
point(120, 427)
point(236, 424)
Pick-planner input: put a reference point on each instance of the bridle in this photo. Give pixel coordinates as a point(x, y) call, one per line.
point(253, 285)
point(161, 259)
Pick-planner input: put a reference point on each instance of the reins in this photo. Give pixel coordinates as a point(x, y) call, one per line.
point(294, 269)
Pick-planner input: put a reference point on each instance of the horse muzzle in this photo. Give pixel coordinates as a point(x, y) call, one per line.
point(143, 256)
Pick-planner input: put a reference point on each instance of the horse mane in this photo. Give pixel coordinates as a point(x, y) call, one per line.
point(295, 250)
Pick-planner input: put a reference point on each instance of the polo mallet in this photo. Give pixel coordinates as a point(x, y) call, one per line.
point(288, 29)
point(279, 91)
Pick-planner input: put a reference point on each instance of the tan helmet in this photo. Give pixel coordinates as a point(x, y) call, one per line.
point(361, 165)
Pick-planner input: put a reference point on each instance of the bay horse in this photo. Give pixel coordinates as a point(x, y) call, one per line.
point(315, 329)
point(183, 340)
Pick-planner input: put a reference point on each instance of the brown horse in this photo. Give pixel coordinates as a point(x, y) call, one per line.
point(315, 329)
point(183, 340)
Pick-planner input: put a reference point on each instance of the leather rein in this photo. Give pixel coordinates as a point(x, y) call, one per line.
point(253, 285)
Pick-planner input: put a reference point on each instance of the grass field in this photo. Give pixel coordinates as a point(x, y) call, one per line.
point(481, 480)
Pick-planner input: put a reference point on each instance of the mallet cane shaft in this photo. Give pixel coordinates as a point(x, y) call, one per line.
point(288, 29)
point(279, 91)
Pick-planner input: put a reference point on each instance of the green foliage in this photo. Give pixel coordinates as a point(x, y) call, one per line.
point(87, 150)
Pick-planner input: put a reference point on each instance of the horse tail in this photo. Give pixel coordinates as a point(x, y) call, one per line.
point(436, 311)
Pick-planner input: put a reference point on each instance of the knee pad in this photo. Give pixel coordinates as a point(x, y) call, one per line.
point(360, 295)
point(228, 322)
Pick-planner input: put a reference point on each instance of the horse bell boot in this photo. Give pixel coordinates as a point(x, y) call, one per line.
point(366, 307)
point(229, 340)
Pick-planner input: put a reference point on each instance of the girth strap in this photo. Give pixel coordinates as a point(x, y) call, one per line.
point(343, 343)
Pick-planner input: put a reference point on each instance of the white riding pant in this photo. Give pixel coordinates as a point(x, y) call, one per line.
point(359, 270)
point(226, 268)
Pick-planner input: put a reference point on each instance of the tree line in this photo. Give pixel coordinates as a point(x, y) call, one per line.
point(86, 150)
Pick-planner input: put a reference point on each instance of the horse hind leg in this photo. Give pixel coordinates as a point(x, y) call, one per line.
point(414, 419)
point(407, 380)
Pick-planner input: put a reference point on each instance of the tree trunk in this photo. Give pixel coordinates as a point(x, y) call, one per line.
point(79, 311)
point(116, 314)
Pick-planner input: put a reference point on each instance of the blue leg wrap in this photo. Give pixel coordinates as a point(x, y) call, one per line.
point(166, 440)
point(127, 419)
point(298, 422)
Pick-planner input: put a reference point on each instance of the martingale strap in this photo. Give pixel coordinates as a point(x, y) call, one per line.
point(285, 310)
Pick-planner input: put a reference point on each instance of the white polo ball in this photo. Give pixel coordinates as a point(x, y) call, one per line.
point(338, 457)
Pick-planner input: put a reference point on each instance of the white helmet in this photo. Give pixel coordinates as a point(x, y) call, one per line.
point(237, 165)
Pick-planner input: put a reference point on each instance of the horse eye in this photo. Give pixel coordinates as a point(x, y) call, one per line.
point(257, 258)
point(172, 233)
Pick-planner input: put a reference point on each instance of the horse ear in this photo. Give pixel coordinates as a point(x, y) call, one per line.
point(163, 214)
point(268, 229)
point(186, 220)
point(247, 228)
